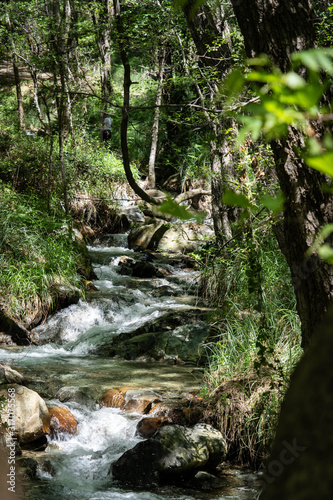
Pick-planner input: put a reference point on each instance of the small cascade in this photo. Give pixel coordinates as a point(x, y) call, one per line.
point(73, 355)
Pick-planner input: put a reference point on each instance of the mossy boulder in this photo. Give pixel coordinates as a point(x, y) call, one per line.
point(173, 453)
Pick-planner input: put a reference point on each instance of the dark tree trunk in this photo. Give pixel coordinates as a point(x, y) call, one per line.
point(126, 107)
point(278, 28)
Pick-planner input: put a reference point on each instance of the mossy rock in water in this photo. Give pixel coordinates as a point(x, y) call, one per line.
point(173, 337)
point(178, 451)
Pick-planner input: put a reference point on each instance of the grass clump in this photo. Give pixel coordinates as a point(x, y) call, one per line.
point(255, 343)
point(36, 252)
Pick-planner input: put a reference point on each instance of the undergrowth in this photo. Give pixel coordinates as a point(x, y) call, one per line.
point(255, 342)
point(36, 251)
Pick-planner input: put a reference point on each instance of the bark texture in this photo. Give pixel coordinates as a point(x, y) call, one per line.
point(215, 56)
point(300, 465)
point(278, 28)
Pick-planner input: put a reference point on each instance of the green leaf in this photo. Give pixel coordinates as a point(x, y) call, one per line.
point(272, 203)
point(315, 59)
point(170, 207)
point(236, 199)
point(313, 147)
point(262, 60)
point(251, 124)
point(263, 77)
point(323, 163)
point(324, 233)
point(232, 86)
point(325, 252)
point(293, 80)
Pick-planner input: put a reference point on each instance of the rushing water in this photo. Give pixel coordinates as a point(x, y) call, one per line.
point(78, 468)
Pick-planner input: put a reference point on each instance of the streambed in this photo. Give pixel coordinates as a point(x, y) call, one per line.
point(78, 468)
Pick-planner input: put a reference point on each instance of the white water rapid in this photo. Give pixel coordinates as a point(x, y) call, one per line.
point(77, 468)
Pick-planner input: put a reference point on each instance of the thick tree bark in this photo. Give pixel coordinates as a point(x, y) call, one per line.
point(278, 28)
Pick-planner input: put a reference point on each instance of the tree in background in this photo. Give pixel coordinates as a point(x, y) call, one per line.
point(213, 50)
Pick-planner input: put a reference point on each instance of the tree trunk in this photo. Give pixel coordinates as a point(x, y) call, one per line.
point(59, 74)
point(16, 72)
point(279, 28)
point(217, 58)
point(126, 108)
point(158, 102)
point(102, 24)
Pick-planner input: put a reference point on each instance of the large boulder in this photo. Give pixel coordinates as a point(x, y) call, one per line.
point(174, 336)
point(167, 237)
point(148, 236)
point(173, 453)
point(26, 413)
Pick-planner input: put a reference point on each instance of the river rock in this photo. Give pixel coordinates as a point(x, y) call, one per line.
point(172, 453)
point(140, 400)
point(9, 326)
point(164, 237)
point(173, 337)
point(148, 236)
point(62, 422)
point(183, 239)
point(77, 395)
point(32, 420)
point(143, 270)
point(64, 296)
point(132, 214)
point(113, 398)
point(10, 376)
point(148, 426)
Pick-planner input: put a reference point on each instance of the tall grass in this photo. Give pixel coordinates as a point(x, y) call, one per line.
point(239, 326)
point(36, 251)
point(255, 341)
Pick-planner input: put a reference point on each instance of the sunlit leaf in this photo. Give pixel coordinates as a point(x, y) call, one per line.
point(325, 252)
point(325, 232)
point(293, 80)
point(170, 207)
point(262, 60)
point(232, 86)
point(261, 76)
point(315, 59)
point(275, 204)
point(323, 163)
point(236, 199)
point(251, 124)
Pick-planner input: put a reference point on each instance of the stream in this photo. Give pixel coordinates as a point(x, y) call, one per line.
point(77, 468)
